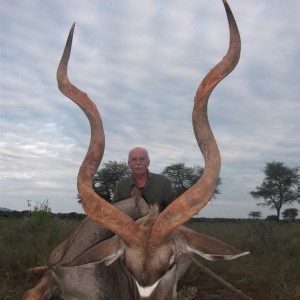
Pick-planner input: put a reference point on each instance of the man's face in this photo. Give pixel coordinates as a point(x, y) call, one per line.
point(138, 161)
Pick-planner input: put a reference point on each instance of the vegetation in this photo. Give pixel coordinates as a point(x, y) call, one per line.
point(23, 245)
point(183, 177)
point(290, 214)
point(106, 178)
point(40, 215)
point(255, 214)
point(281, 186)
point(271, 271)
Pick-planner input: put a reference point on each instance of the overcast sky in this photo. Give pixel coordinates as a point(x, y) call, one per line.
point(141, 63)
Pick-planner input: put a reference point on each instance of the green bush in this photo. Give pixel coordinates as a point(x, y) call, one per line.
point(40, 215)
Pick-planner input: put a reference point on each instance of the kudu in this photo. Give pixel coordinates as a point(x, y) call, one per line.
point(128, 250)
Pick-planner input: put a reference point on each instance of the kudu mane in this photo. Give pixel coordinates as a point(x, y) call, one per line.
point(128, 250)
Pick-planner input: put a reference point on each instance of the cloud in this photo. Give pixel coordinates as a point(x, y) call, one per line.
point(141, 63)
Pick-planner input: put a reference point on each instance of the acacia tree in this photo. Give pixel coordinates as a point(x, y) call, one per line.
point(255, 214)
point(290, 214)
point(280, 186)
point(106, 178)
point(183, 177)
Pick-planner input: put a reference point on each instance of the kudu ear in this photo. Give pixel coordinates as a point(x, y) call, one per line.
point(107, 251)
point(210, 248)
point(90, 232)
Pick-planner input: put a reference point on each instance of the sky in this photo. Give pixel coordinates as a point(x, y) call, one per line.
point(141, 63)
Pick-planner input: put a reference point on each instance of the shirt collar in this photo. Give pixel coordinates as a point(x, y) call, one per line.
point(132, 181)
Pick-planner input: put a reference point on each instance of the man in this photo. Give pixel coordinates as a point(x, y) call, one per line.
point(154, 188)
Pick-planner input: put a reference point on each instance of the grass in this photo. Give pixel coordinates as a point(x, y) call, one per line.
point(271, 271)
point(22, 246)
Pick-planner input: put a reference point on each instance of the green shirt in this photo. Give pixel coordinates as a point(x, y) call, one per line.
point(158, 189)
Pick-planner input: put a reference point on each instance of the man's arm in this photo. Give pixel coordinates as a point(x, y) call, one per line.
point(122, 190)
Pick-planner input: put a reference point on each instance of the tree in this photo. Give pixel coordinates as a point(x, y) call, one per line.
point(255, 214)
point(281, 186)
point(183, 177)
point(272, 218)
point(290, 214)
point(105, 180)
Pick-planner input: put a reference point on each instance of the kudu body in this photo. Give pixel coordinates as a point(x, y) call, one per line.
point(130, 251)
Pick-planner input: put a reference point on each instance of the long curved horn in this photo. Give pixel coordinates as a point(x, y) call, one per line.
point(95, 206)
point(194, 199)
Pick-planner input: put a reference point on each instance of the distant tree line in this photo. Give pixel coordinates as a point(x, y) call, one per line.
point(26, 214)
point(280, 187)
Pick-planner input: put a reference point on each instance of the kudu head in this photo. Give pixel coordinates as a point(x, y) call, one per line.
point(151, 248)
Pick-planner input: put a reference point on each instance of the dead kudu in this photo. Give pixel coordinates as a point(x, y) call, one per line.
point(128, 250)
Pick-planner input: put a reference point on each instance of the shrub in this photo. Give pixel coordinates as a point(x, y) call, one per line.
point(40, 215)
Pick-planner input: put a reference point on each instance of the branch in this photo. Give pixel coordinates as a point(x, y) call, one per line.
point(215, 276)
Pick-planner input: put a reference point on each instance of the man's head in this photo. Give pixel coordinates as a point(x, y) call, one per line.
point(138, 161)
